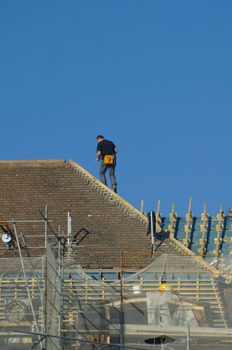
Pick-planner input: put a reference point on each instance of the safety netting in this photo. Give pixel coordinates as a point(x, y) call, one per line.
point(174, 303)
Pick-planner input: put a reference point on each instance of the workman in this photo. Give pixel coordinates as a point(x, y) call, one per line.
point(106, 153)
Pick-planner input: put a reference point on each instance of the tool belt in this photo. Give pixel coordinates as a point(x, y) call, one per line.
point(108, 159)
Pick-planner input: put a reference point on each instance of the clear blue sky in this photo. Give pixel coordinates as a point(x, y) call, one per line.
point(154, 76)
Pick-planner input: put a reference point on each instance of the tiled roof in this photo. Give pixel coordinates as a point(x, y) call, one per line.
point(112, 223)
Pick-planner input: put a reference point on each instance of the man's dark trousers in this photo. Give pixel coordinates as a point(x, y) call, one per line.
point(111, 171)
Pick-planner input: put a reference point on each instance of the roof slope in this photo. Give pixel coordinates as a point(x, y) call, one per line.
point(112, 223)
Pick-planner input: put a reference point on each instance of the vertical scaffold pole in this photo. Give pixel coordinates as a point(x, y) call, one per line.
point(121, 302)
point(188, 337)
point(25, 278)
point(69, 227)
point(152, 231)
point(142, 206)
point(45, 226)
point(45, 274)
point(61, 277)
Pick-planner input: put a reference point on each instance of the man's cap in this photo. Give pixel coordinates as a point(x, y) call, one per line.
point(100, 137)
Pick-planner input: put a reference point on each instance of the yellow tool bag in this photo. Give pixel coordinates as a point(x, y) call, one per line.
point(108, 159)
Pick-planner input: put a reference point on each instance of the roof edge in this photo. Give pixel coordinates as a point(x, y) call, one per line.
point(132, 211)
point(30, 162)
point(197, 258)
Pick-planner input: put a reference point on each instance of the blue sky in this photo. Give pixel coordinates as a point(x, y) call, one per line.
point(154, 76)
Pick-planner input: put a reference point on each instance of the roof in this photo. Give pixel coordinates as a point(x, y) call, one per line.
point(103, 224)
point(112, 224)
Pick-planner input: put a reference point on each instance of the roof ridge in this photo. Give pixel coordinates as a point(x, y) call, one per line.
point(31, 161)
point(107, 193)
point(197, 258)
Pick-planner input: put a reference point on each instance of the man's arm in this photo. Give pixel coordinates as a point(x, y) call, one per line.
point(98, 152)
point(98, 155)
point(115, 148)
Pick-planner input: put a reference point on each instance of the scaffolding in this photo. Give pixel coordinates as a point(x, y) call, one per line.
point(30, 287)
point(50, 302)
point(172, 297)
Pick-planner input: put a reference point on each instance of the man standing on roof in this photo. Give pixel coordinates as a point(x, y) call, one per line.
point(106, 152)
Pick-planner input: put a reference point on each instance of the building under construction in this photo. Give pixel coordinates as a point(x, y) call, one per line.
point(83, 269)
